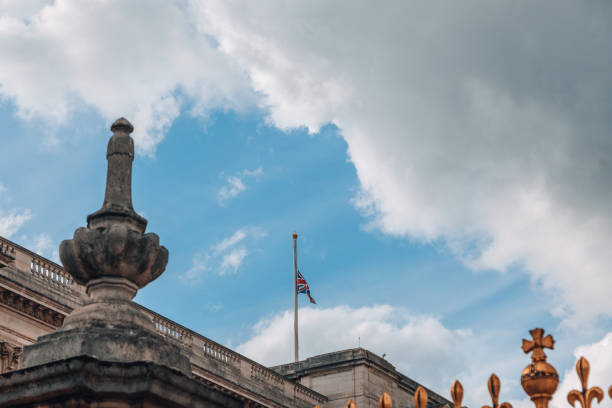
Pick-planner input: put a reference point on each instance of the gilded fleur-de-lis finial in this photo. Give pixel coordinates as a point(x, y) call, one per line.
point(420, 398)
point(494, 386)
point(351, 404)
point(385, 401)
point(457, 394)
point(538, 344)
point(610, 391)
point(587, 395)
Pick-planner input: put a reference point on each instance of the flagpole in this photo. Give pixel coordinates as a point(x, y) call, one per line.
point(295, 297)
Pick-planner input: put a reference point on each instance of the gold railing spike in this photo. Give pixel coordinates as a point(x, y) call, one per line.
point(420, 398)
point(587, 395)
point(457, 394)
point(351, 404)
point(385, 401)
point(610, 391)
point(494, 386)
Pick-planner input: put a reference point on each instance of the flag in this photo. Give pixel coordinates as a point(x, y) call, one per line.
point(302, 287)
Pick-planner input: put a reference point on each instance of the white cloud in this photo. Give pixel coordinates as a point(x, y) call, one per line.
point(235, 184)
point(466, 123)
point(231, 241)
point(419, 346)
point(44, 245)
point(22, 9)
point(234, 187)
point(232, 261)
point(225, 257)
point(122, 58)
point(484, 125)
point(11, 221)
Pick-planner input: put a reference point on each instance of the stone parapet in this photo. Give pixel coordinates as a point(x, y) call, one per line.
point(43, 278)
point(216, 363)
point(334, 374)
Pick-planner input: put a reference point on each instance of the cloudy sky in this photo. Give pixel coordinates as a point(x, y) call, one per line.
point(447, 166)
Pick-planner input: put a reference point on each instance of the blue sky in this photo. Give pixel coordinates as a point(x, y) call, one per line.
point(448, 174)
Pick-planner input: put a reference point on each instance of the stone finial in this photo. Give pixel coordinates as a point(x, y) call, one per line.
point(114, 246)
point(113, 257)
point(122, 124)
point(117, 206)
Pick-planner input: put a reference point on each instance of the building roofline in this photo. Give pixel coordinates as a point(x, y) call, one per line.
point(351, 357)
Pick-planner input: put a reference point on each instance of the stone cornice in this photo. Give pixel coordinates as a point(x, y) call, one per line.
point(8, 330)
point(31, 308)
point(41, 299)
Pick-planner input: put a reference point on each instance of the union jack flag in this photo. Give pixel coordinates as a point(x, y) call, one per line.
point(302, 287)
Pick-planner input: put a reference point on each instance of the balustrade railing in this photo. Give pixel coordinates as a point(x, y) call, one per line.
point(27, 262)
point(50, 273)
point(220, 353)
point(172, 330)
point(203, 349)
point(7, 249)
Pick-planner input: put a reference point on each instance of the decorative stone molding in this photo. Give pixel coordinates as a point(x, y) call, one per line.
point(7, 254)
point(31, 308)
point(9, 356)
point(114, 243)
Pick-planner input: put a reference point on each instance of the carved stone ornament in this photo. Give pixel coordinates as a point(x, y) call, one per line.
point(114, 243)
point(113, 257)
point(9, 356)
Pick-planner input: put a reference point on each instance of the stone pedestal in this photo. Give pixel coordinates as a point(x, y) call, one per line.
point(110, 327)
point(89, 382)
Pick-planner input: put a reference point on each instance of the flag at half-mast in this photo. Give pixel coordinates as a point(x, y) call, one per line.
point(302, 287)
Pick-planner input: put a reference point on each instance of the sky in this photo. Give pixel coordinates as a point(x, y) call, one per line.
point(446, 165)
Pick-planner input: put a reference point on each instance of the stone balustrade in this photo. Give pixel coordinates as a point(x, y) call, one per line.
point(224, 363)
point(50, 273)
point(172, 330)
point(44, 271)
point(7, 248)
point(220, 353)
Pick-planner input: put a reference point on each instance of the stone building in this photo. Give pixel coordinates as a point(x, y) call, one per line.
point(73, 337)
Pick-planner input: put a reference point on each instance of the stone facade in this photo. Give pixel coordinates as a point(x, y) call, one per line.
point(356, 374)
